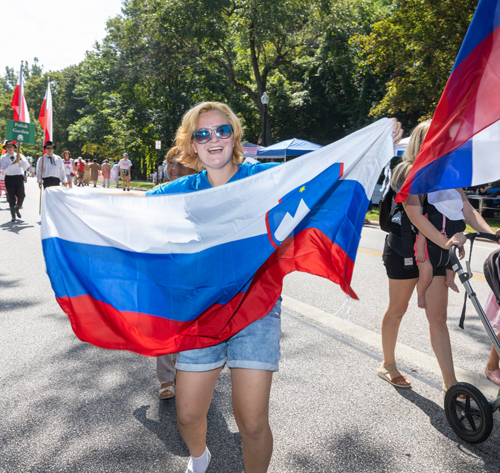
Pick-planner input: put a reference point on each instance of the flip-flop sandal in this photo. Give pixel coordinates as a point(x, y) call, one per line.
point(170, 388)
point(383, 373)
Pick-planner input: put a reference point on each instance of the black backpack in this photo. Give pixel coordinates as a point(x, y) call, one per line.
point(385, 210)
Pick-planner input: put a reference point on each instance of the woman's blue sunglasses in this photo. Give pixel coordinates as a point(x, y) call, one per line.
point(204, 135)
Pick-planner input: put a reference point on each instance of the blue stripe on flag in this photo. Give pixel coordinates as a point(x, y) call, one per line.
point(139, 282)
point(458, 167)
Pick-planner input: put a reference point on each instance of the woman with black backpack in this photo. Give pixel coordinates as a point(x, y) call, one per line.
point(405, 221)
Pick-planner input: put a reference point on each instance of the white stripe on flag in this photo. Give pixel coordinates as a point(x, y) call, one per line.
point(189, 223)
point(486, 155)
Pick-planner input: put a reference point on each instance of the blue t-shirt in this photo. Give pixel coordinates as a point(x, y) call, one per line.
point(198, 182)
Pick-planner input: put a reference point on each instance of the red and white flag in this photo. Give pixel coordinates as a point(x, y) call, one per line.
point(21, 112)
point(45, 117)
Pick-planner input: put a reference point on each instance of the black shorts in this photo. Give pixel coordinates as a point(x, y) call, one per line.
point(394, 264)
point(395, 269)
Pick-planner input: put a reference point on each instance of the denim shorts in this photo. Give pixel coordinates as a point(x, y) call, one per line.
point(256, 347)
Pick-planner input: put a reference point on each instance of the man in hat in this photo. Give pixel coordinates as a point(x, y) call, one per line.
point(50, 168)
point(125, 169)
point(14, 164)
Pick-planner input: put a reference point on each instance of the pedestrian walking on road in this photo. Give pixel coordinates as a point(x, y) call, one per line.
point(160, 173)
point(402, 271)
point(50, 169)
point(125, 170)
point(210, 137)
point(106, 172)
point(80, 169)
point(13, 165)
point(68, 167)
point(86, 174)
point(115, 174)
point(94, 172)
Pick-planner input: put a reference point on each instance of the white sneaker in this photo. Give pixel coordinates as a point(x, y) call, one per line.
point(190, 464)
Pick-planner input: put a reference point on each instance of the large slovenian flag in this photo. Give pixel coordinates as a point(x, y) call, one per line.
point(21, 112)
point(169, 273)
point(45, 117)
point(462, 145)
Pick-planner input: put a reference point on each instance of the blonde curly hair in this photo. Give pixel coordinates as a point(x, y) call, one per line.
point(184, 134)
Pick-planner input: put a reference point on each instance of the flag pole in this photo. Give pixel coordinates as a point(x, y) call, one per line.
point(43, 144)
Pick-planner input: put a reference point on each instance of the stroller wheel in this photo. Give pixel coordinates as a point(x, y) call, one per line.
point(471, 418)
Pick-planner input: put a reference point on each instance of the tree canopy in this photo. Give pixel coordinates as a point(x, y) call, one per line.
point(328, 66)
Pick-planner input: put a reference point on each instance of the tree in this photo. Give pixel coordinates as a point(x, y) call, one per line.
point(414, 50)
point(248, 40)
point(328, 94)
point(135, 91)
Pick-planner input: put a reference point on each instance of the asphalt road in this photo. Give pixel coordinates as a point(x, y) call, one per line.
point(69, 407)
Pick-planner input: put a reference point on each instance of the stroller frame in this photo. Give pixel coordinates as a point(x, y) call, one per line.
point(468, 412)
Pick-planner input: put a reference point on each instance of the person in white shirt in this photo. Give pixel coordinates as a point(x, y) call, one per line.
point(50, 168)
point(115, 174)
point(14, 164)
point(68, 167)
point(125, 165)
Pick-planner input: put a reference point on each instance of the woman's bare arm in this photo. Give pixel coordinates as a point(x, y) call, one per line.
point(414, 211)
point(472, 217)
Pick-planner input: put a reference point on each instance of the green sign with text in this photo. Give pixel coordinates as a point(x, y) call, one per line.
point(20, 131)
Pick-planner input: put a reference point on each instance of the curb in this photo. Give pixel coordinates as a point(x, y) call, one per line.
point(372, 341)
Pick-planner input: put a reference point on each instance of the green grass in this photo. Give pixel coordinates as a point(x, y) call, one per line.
point(142, 185)
point(373, 215)
point(493, 223)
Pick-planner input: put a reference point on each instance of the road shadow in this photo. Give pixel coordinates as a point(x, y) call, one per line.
point(474, 331)
point(8, 283)
point(437, 417)
point(6, 306)
point(9, 304)
point(15, 227)
point(99, 408)
point(164, 426)
point(350, 452)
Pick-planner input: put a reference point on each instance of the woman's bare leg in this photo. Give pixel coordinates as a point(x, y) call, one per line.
point(436, 312)
point(400, 291)
point(194, 392)
point(251, 391)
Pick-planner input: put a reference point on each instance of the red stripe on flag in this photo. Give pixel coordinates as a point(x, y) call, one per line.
point(100, 324)
point(41, 117)
point(15, 103)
